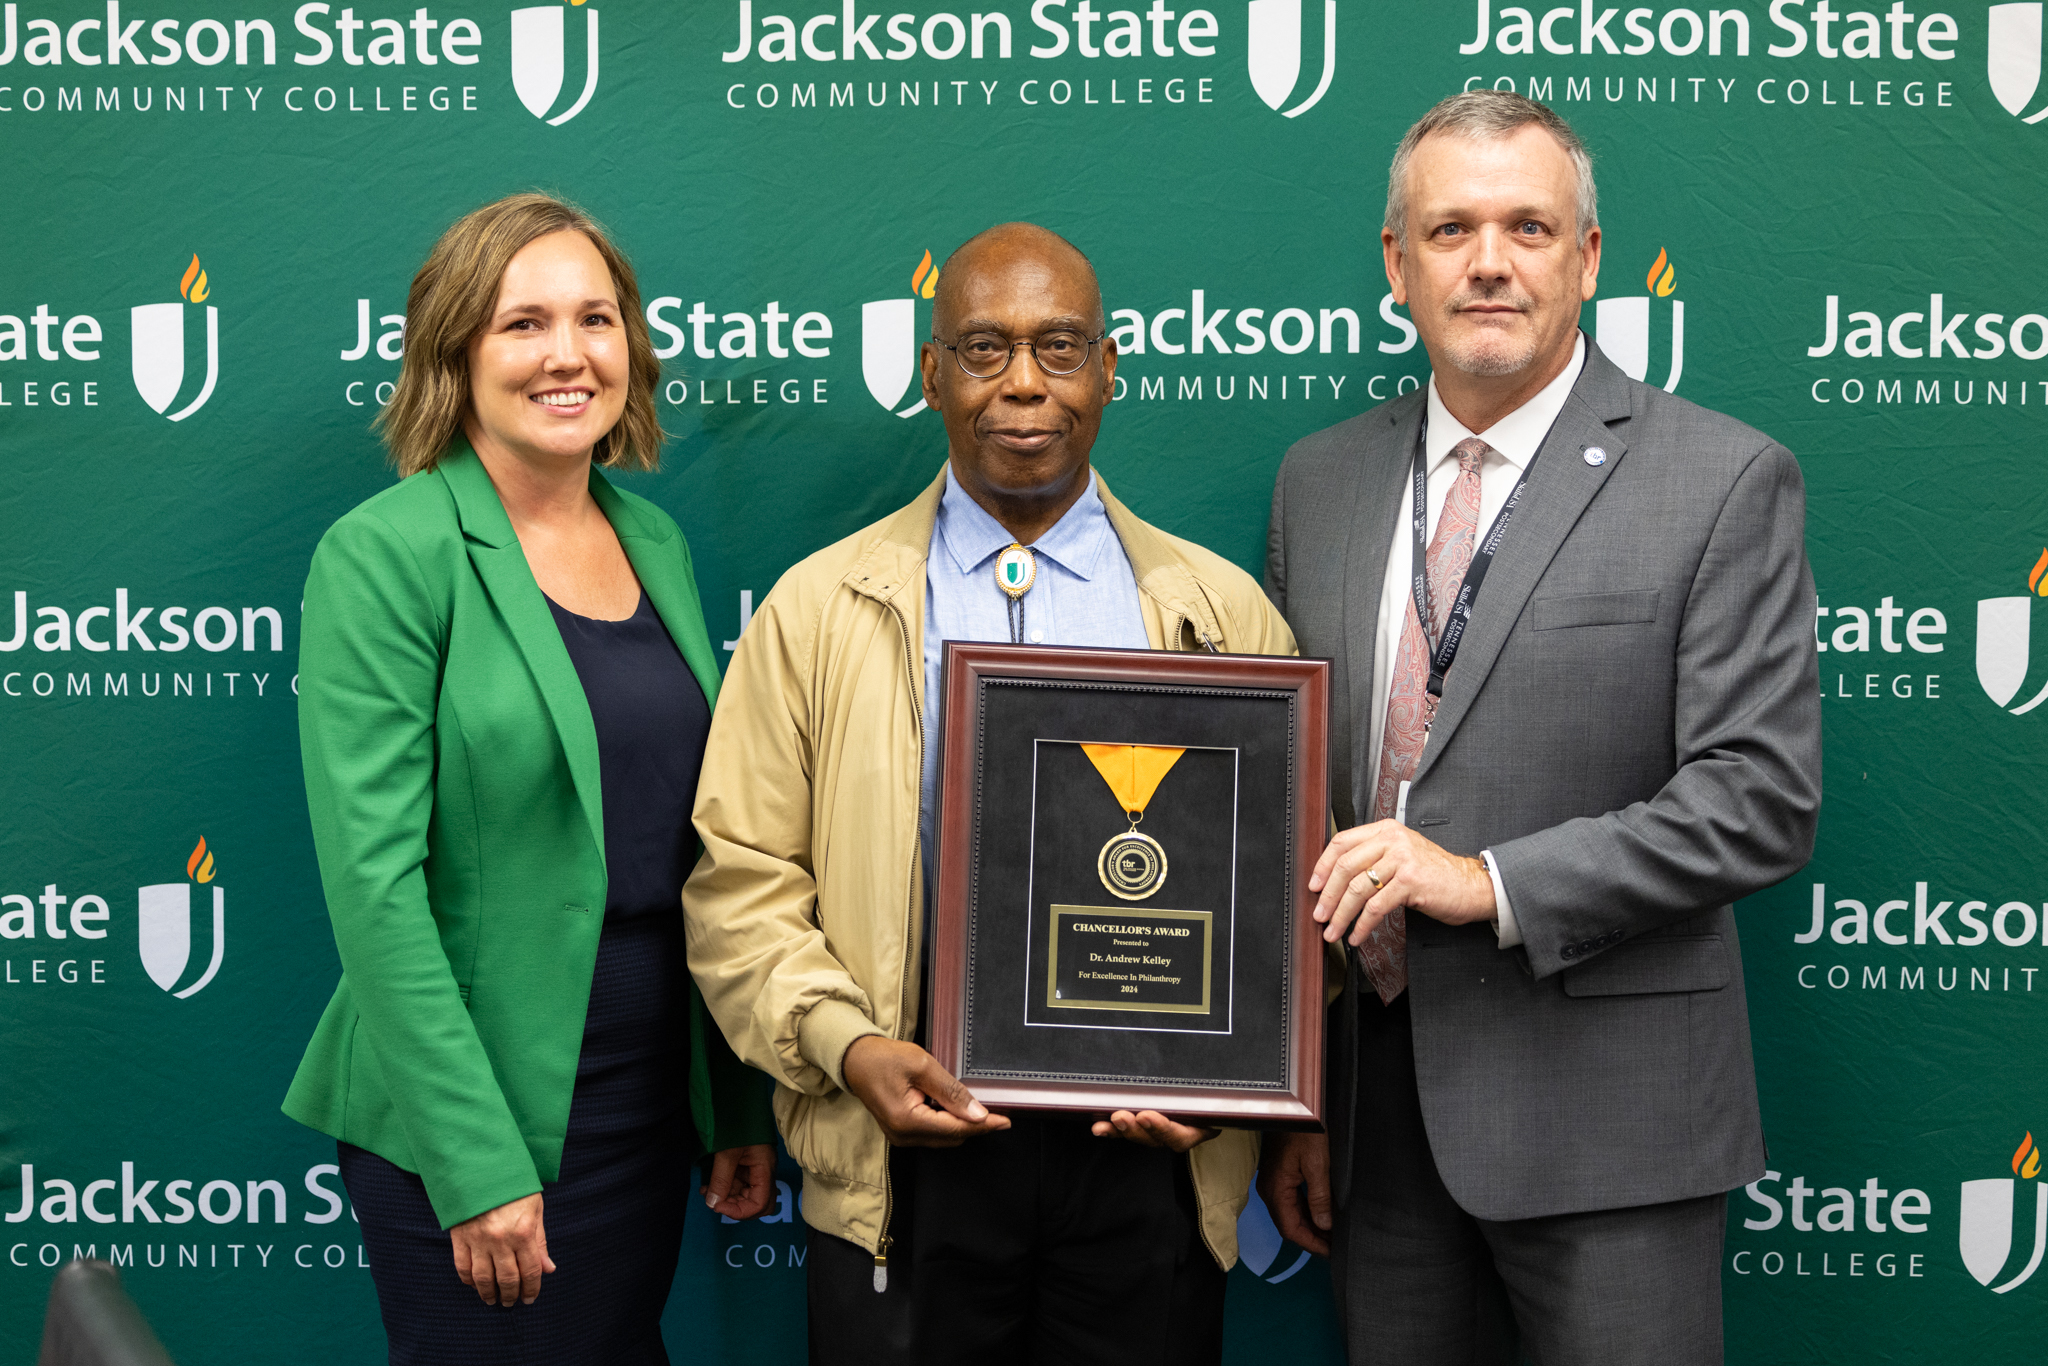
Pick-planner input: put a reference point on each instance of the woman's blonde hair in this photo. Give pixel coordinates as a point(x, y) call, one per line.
point(452, 299)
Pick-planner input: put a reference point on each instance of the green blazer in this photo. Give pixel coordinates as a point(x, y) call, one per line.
point(452, 778)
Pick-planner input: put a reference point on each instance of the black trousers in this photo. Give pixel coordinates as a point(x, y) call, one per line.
point(614, 1226)
point(1039, 1244)
point(1420, 1282)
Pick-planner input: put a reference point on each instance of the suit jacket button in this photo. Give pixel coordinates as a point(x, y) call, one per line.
point(1568, 951)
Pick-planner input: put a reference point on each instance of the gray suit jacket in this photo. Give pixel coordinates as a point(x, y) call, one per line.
point(1632, 726)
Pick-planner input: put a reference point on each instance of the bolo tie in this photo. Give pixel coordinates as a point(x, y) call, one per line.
point(1016, 571)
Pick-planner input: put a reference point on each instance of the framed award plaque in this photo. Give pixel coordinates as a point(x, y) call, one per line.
point(1120, 894)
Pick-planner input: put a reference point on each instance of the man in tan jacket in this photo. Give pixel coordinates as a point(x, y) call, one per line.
point(938, 1227)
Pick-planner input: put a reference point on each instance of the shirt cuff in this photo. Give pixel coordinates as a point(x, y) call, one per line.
point(1504, 926)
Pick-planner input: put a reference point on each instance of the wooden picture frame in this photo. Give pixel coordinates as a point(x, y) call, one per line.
point(1018, 812)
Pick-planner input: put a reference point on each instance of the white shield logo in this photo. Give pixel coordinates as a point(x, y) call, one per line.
point(164, 914)
point(1273, 52)
point(2003, 628)
point(156, 354)
point(1622, 327)
point(1985, 1239)
point(2013, 57)
point(888, 351)
point(537, 61)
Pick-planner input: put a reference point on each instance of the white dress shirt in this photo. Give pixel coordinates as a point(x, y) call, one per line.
point(1515, 440)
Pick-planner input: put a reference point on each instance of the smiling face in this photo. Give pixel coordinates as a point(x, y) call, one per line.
point(548, 371)
point(1024, 435)
point(1493, 272)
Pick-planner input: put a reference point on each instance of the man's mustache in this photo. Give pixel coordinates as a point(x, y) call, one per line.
point(1520, 302)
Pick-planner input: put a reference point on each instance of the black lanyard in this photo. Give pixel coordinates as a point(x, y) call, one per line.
point(1446, 650)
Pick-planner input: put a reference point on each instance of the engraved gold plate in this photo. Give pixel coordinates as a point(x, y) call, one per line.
point(1131, 959)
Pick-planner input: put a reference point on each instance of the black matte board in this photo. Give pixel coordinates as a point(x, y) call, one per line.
point(1043, 813)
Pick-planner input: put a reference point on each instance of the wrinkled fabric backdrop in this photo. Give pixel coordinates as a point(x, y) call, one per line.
point(1825, 223)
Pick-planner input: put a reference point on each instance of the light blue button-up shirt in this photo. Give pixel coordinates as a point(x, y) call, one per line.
point(1085, 594)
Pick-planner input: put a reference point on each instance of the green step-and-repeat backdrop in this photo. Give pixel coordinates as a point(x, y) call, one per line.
point(1826, 223)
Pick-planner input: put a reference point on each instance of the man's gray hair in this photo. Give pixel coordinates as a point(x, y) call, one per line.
point(1488, 115)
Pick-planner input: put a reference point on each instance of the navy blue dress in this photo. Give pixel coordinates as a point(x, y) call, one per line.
point(615, 1218)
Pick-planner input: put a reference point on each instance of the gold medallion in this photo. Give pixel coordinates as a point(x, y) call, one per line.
point(1132, 866)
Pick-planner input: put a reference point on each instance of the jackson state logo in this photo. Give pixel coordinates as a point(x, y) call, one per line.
point(1272, 52)
point(156, 346)
point(2012, 57)
point(539, 50)
point(1985, 1239)
point(888, 341)
point(165, 926)
point(1622, 326)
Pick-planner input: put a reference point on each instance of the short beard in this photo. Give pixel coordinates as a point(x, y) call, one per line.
point(1475, 356)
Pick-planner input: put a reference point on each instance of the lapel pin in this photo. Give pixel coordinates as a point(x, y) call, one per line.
point(1596, 456)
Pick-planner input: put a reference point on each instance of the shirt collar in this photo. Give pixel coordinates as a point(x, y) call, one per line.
point(972, 537)
point(1520, 434)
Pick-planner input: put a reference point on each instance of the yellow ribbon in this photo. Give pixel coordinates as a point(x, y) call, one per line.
point(1133, 772)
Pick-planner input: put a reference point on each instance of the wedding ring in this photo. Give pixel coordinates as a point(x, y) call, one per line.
point(1372, 875)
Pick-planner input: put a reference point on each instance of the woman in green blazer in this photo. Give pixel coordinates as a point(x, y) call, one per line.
point(504, 687)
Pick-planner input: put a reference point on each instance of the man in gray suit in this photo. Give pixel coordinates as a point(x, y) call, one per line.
point(1540, 1079)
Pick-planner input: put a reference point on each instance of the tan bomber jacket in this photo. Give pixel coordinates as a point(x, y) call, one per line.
point(805, 913)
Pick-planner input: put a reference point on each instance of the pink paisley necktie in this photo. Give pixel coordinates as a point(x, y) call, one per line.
point(1409, 706)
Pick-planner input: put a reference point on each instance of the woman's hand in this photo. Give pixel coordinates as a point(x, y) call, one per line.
point(502, 1252)
point(742, 1181)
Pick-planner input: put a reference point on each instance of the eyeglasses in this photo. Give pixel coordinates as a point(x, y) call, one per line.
point(984, 355)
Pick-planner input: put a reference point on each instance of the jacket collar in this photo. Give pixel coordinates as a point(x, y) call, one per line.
point(1560, 488)
point(897, 555)
point(477, 506)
